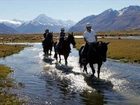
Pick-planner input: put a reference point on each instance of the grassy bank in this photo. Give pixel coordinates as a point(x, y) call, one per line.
point(124, 49)
point(5, 81)
point(6, 50)
point(39, 37)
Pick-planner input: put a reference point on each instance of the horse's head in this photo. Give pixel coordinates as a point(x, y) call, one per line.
point(103, 49)
point(71, 39)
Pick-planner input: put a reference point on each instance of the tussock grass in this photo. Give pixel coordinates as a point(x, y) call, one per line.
point(9, 99)
point(5, 82)
point(4, 71)
point(39, 37)
point(6, 50)
point(124, 49)
point(5, 97)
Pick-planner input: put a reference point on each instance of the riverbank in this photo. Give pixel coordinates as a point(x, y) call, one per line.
point(6, 82)
point(125, 50)
point(6, 50)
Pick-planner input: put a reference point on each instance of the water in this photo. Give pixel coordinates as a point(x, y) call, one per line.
point(47, 83)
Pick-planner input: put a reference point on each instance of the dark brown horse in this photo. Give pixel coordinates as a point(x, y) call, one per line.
point(64, 49)
point(97, 55)
point(47, 44)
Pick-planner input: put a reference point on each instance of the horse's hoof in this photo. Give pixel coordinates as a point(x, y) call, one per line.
point(92, 76)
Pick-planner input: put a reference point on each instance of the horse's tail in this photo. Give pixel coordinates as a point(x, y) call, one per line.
point(80, 57)
point(55, 50)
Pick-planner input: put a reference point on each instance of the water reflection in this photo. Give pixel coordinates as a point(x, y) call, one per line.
point(93, 98)
point(47, 82)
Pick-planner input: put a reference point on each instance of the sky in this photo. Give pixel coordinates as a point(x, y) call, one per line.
point(59, 9)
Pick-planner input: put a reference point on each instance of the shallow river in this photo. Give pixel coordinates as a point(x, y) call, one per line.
point(47, 83)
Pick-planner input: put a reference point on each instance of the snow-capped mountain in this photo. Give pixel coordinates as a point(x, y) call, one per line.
point(6, 30)
point(41, 22)
point(38, 25)
point(11, 23)
point(129, 10)
point(45, 20)
point(109, 20)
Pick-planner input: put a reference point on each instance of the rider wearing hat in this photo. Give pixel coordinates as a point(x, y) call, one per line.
point(61, 37)
point(62, 34)
point(90, 38)
point(46, 33)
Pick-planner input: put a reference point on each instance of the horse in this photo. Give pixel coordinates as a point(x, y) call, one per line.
point(65, 48)
point(96, 55)
point(47, 44)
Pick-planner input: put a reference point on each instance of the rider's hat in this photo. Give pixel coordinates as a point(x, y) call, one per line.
point(46, 30)
point(88, 25)
point(62, 29)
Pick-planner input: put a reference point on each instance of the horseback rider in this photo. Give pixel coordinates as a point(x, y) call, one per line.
point(48, 40)
point(90, 38)
point(46, 33)
point(61, 37)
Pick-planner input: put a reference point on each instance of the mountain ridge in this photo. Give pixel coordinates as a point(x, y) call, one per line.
point(37, 25)
point(108, 20)
point(111, 20)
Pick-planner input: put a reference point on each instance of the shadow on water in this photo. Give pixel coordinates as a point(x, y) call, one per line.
point(48, 60)
point(95, 97)
point(66, 69)
point(98, 84)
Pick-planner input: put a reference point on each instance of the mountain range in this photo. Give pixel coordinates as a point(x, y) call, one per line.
point(37, 25)
point(108, 20)
point(111, 20)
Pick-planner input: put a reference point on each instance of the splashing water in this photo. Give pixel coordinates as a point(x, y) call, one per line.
point(50, 83)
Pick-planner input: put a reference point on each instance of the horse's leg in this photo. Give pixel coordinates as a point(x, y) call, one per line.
point(99, 67)
point(92, 68)
point(65, 57)
point(59, 58)
point(50, 52)
point(46, 52)
point(55, 56)
point(85, 68)
point(43, 49)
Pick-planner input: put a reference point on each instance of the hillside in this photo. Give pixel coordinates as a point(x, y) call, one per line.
point(110, 20)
